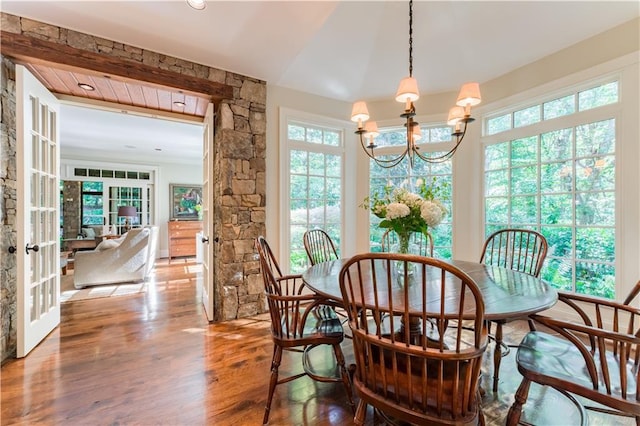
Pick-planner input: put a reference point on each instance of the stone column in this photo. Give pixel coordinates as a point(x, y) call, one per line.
point(8, 267)
point(239, 166)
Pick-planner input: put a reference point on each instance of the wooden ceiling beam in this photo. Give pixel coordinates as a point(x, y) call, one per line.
point(31, 50)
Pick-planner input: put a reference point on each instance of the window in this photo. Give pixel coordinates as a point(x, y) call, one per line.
point(560, 182)
point(403, 175)
point(125, 196)
point(94, 195)
point(315, 182)
point(92, 204)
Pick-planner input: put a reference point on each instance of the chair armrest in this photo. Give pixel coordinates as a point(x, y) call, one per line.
point(591, 308)
point(567, 328)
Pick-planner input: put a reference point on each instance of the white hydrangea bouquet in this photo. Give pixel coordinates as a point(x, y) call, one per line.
point(406, 212)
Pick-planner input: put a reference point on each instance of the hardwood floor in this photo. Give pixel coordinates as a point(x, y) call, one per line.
point(152, 358)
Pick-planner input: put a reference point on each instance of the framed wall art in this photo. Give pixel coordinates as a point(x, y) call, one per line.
point(186, 201)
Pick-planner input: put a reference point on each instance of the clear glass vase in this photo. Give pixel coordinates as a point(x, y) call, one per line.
point(404, 246)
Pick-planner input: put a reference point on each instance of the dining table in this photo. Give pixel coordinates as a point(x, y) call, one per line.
point(507, 294)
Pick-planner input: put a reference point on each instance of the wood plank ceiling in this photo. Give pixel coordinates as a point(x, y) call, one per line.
point(119, 90)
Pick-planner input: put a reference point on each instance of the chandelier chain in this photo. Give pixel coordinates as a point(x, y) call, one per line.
point(410, 38)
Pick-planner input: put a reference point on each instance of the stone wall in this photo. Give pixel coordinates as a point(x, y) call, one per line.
point(238, 164)
point(8, 271)
point(71, 196)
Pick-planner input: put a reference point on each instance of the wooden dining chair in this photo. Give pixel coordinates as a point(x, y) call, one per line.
point(422, 241)
point(521, 250)
point(319, 246)
point(632, 295)
point(405, 369)
point(595, 357)
point(299, 322)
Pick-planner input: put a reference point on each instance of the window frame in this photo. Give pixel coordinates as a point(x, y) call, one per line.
point(610, 111)
point(289, 116)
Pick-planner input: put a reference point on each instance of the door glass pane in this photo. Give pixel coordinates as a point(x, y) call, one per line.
point(33, 304)
point(43, 292)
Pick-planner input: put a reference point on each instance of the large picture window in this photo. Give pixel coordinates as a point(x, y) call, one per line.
point(404, 176)
point(561, 182)
point(315, 186)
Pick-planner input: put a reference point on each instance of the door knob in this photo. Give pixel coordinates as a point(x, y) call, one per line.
point(216, 239)
point(12, 249)
point(35, 248)
point(205, 239)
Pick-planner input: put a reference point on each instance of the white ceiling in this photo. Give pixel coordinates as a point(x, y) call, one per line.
point(345, 50)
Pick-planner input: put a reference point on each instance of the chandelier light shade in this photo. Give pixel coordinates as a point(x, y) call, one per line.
point(359, 112)
point(459, 117)
point(469, 95)
point(408, 90)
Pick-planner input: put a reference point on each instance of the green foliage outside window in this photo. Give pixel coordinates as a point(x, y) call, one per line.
point(315, 188)
point(92, 203)
point(561, 183)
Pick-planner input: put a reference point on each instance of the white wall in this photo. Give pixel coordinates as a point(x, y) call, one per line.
point(172, 173)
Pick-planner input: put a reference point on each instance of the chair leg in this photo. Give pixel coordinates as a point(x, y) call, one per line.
point(361, 413)
point(275, 364)
point(513, 417)
point(344, 374)
point(497, 355)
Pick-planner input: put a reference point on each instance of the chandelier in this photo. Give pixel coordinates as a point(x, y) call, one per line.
point(459, 116)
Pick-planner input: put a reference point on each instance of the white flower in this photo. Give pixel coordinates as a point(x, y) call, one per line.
point(432, 212)
point(412, 200)
point(396, 210)
point(378, 209)
point(442, 207)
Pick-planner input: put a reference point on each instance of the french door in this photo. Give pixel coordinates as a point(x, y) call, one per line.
point(209, 239)
point(38, 211)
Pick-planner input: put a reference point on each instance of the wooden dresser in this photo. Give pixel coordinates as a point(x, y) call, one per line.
point(182, 237)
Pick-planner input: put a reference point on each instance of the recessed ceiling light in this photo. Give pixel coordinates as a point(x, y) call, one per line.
point(130, 146)
point(86, 86)
point(159, 149)
point(180, 104)
point(197, 4)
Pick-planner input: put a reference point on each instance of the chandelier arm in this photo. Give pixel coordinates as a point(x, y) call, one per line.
point(387, 164)
point(395, 162)
point(449, 154)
